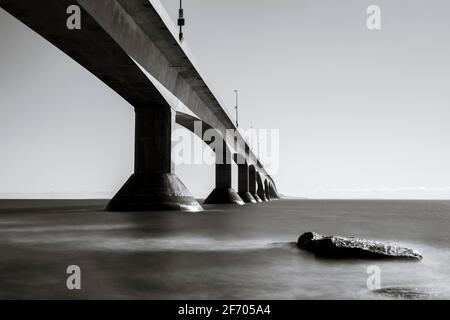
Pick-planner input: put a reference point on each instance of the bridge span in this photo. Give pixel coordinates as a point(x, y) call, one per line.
point(118, 41)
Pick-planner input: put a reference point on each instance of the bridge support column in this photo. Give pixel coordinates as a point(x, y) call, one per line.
point(267, 192)
point(223, 193)
point(273, 192)
point(154, 186)
point(243, 179)
point(261, 192)
point(252, 183)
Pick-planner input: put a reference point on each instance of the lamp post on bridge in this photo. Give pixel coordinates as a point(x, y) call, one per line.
point(237, 108)
point(181, 21)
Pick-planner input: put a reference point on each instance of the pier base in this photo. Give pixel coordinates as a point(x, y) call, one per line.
point(247, 197)
point(262, 195)
point(257, 198)
point(154, 192)
point(223, 196)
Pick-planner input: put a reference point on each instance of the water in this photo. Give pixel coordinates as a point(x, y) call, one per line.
point(226, 252)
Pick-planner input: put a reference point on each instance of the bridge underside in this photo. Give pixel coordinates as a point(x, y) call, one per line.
point(154, 185)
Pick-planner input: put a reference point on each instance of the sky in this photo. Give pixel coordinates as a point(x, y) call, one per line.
point(360, 113)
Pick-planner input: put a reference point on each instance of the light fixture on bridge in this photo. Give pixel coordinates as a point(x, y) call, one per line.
point(181, 21)
point(237, 108)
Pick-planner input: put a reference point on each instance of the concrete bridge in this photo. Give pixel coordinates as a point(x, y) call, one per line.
point(121, 42)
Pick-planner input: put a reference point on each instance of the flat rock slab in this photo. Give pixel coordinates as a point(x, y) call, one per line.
point(405, 293)
point(350, 247)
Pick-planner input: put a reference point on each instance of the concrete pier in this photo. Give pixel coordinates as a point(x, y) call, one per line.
point(243, 179)
point(266, 189)
point(223, 192)
point(252, 183)
point(273, 192)
point(260, 191)
point(154, 185)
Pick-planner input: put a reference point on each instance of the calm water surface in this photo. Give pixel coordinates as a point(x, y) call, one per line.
point(226, 252)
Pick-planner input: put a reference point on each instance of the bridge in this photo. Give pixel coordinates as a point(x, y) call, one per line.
point(122, 42)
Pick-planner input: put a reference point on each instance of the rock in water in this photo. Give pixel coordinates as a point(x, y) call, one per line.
point(342, 247)
point(405, 293)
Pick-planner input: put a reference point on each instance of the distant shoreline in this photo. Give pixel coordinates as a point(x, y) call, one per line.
point(18, 205)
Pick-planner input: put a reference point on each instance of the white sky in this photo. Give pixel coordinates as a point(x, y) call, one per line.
point(361, 113)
